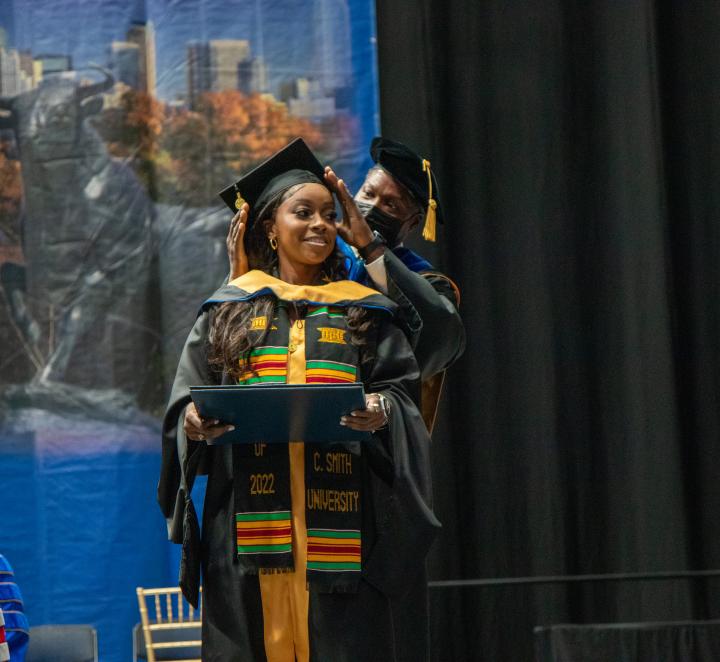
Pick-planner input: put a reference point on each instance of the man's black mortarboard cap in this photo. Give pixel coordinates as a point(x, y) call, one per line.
point(414, 173)
point(293, 164)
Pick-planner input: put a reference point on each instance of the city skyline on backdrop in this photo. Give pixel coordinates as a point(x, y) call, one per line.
point(309, 70)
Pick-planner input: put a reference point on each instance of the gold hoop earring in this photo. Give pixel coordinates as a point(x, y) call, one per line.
point(273, 243)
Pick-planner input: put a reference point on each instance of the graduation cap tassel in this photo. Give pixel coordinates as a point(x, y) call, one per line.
point(430, 218)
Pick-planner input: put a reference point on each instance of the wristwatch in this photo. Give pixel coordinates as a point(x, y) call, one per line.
point(385, 409)
point(377, 241)
point(384, 406)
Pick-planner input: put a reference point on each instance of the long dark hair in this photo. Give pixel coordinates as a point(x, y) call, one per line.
point(231, 339)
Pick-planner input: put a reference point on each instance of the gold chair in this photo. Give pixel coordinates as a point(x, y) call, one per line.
point(171, 626)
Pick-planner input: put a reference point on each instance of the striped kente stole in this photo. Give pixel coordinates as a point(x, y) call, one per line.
point(263, 520)
point(268, 365)
point(329, 372)
point(264, 533)
point(333, 550)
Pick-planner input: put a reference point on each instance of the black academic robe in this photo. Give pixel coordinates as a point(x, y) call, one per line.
point(428, 304)
point(428, 307)
point(398, 524)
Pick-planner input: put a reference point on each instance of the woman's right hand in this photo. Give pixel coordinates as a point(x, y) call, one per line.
point(353, 227)
point(200, 429)
point(234, 242)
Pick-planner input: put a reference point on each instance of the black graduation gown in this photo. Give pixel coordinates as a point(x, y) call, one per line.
point(398, 524)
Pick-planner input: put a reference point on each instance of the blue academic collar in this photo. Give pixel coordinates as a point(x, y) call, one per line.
point(356, 266)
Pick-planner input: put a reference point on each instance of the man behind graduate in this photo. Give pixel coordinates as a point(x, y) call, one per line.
point(399, 191)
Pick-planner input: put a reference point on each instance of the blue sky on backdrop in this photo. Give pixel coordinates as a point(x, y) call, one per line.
point(284, 33)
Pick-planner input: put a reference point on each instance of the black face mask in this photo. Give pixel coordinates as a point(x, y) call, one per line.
point(388, 226)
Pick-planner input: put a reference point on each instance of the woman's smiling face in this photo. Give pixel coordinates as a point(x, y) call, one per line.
point(304, 227)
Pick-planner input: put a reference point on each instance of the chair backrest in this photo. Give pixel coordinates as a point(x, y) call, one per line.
point(62, 643)
point(171, 626)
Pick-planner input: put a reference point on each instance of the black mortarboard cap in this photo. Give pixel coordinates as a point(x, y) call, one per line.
point(414, 173)
point(293, 164)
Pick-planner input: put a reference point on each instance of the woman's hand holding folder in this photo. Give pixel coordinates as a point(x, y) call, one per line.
point(201, 429)
point(373, 417)
point(370, 419)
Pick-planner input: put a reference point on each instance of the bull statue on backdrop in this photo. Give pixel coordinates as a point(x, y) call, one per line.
point(86, 241)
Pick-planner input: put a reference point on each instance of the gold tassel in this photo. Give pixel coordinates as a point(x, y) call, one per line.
point(430, 221)
point(430, 217)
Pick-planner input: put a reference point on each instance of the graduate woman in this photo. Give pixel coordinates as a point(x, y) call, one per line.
point(303, 545)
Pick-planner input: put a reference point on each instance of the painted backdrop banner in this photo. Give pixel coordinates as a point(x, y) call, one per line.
point(119, 123)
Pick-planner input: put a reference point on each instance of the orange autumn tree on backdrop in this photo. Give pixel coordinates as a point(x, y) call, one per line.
point(10, 201)
point(186, 156)
point(131, 129)
point(230, 132)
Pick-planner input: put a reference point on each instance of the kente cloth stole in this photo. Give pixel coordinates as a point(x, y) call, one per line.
point(332, 471)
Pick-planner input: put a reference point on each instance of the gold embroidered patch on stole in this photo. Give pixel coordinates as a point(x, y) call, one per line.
point(329, 334)
point(259, 323)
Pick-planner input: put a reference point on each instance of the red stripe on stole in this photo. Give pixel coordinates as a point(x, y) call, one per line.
point(334, 549)
point(257, 533)
point(326, 380)
point(268, 364)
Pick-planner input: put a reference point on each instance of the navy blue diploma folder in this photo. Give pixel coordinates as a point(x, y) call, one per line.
point(274, 413)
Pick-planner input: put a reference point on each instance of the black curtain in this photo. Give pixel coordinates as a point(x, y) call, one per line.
point(696, 641)
point(577, 147)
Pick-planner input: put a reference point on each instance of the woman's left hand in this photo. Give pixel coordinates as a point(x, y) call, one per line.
point(372, 418)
